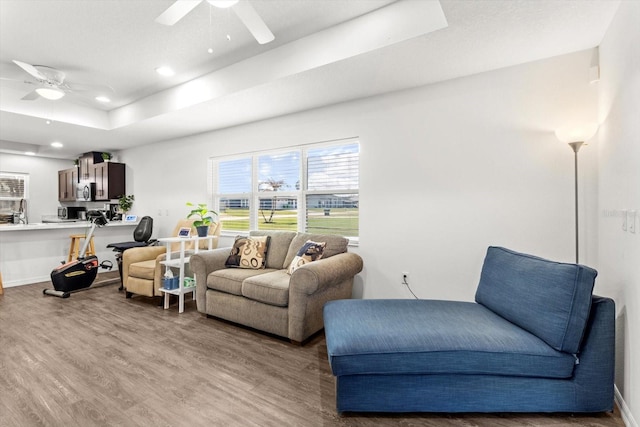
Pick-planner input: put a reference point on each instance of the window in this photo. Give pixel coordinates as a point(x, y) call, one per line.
point(14, 187)
point(234, 193)
point(311, 188)
point(331, 195)
point(278, 177)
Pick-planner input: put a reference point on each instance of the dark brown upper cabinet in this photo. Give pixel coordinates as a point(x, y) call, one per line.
point(110, 180)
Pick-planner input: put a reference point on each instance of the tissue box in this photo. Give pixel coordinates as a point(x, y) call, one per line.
point(170, 283)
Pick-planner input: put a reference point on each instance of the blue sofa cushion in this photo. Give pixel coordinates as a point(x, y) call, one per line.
point(549, 299)
point(434, 337)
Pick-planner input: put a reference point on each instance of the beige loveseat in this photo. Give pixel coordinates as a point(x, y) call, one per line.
point(270, 299)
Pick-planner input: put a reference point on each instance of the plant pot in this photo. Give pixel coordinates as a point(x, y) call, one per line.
point(202, 230)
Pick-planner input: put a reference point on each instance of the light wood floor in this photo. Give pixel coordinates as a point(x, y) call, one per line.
point(97, 358)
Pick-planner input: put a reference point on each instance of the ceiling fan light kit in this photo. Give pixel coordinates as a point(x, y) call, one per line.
point(51, 84)
point(51, 93)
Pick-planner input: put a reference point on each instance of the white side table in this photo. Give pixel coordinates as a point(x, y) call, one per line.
point(180, 263)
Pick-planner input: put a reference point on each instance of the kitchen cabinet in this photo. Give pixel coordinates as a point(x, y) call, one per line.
point(67, 183)
point(86, 162)
point(110, 180)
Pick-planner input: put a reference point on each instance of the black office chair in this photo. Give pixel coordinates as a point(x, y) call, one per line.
point(141, 237)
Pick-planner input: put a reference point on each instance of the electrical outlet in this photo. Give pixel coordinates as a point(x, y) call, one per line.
point(159, 212)
point(405, 278)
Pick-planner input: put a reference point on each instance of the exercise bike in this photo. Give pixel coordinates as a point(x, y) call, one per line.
point(79, 274)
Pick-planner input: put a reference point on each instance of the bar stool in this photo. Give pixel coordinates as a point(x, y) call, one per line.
point(74, 248)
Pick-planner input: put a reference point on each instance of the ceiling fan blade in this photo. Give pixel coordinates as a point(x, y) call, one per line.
point(30, 96)
point(86, 87)
point(30, 69)
point(177, 11)
point(253, 22)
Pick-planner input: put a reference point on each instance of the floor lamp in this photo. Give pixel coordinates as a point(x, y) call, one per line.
point(576, 136)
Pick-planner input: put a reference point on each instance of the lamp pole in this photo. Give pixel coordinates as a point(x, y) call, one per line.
point(576, 147)
point(576, 136)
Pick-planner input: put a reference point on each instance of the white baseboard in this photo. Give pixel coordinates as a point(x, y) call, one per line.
point(626, 414)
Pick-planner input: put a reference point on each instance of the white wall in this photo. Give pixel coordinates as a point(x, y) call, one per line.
point(471, 162)
point(43, 181)
point(619, 189)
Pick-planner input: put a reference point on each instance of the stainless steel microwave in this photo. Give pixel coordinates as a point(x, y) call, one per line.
point(70, 212)
point(86, 191)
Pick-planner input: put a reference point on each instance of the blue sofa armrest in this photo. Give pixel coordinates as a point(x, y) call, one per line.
point(594, 373)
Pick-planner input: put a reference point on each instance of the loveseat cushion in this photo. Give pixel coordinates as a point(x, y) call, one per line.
point(278, 246)
point(230, 280)
point(549, 299)
point(434, 337)
point(334, 245)
point(270, 288)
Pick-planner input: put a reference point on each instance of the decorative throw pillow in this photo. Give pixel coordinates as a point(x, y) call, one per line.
point(254, 252)
point(234, 257)
point(248, 252)
point(309, 252)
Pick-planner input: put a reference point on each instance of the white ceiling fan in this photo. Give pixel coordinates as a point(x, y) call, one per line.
point(242, 9)
point(51, 83)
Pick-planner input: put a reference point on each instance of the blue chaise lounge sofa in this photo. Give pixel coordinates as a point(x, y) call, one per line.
point(535, 340)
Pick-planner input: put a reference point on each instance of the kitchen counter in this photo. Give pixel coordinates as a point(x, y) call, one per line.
point(28, 253)
point(58, 225)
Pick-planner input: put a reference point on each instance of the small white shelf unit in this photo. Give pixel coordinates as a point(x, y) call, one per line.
point(179, 262)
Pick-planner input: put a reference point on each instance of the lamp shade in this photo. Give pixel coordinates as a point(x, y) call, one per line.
point(51, 93)
point(578, 133)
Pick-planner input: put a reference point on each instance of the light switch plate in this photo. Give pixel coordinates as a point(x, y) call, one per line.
point(631, 221)
point(624, 220)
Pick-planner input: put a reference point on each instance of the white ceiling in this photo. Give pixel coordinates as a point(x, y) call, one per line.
point(325, 51)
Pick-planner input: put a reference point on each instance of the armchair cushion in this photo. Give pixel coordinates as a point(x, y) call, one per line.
point(143, 269)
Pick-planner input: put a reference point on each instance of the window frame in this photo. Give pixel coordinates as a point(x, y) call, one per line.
point(300, 195)
point(25, 178)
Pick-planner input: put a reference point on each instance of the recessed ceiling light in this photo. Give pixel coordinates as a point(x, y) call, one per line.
point(165, 71)
point(48, 122)
point(57, 144)
point(102, 99)
point(29, 153)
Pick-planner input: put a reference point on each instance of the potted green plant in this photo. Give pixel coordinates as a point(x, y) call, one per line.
point(106, 156)
point(204, 217)
point(125, 202)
